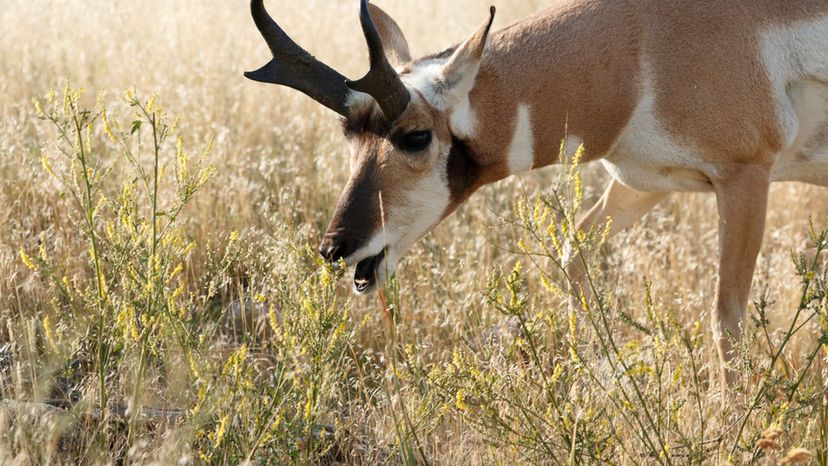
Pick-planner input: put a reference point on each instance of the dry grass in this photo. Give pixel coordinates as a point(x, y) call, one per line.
point(474, 370)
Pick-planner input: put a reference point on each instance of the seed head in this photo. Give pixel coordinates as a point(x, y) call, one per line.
point(769, 439)
point(767, 444)
point(772, 433)
point(796, 456)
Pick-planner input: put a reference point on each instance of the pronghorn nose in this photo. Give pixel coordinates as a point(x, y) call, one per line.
point(333, 249)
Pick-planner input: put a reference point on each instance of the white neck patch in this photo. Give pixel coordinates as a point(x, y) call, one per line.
point(463, 120)
point(522, 149)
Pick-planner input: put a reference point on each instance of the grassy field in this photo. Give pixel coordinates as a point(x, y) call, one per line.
point(161, 301)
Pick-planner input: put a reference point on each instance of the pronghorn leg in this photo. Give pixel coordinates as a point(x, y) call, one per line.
point(624, 206)
point(743, 201)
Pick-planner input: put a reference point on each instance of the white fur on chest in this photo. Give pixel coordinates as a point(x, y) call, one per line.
point(806, 159)
point(647, 158)
point(796, 60)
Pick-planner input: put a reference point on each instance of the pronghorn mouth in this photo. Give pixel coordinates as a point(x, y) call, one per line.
point(365, 277)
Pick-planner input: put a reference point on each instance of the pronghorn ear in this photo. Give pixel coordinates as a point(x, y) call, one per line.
point(460, 71)
point(393, 40)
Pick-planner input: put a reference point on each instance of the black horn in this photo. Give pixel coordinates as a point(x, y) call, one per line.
point(382, 82)
point(294, 67)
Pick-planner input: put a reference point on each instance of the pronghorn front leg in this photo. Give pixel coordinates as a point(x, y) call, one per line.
point(742, 200)
point(624, 206)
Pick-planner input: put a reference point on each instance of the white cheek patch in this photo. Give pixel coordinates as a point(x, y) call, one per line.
point(419, 210)
point(428, 200)
point(522, 149)
point(426, 205)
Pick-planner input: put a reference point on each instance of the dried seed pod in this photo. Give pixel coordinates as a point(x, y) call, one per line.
point(796, 456)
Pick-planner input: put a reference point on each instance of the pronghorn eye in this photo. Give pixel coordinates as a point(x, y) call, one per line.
point(415, 141)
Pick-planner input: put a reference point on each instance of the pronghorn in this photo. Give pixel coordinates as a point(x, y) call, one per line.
point(724, 96)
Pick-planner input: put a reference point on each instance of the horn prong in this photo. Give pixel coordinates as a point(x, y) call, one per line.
point(382, 81)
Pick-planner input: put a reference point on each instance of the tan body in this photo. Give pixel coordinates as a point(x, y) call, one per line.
point(591, 67)
point(671, 95)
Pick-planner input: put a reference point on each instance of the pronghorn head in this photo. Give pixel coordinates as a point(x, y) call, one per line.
point(403, 121)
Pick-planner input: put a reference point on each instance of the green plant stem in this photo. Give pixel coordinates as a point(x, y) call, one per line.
point(581, 255)
point(763, 388)
point(96, 259)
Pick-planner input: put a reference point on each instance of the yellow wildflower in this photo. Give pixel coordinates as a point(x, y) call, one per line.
point(460, 401)
point(50, 333)
point(221, 430)
point(46, 166)
point(27, 260)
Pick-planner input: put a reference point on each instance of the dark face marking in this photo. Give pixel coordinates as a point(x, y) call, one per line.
point(463, 173)
point(357, 214)
point(367, 122)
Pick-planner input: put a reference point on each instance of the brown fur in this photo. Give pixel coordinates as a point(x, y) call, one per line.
point(580, 77)
point(580, 67)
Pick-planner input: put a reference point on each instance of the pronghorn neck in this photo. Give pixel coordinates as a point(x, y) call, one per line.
point(536, 87)
point(583, 71)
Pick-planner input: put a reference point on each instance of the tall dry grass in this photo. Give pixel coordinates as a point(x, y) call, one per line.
point(264, 356)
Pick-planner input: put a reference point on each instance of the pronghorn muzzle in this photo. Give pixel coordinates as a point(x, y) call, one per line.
point(365, 275)
point(355, 224)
